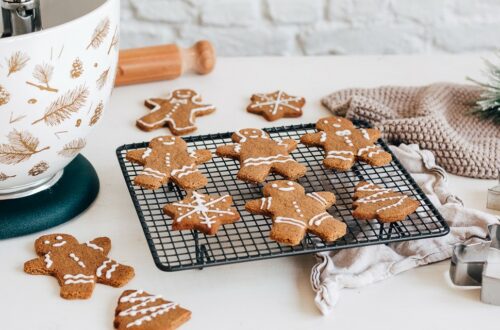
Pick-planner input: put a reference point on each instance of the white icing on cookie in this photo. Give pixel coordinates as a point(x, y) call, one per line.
point(140, 307)
point(290, 221)
point(94, 246)
point(77, 260)
point(319, 218)
point(206, 210)
point(78, 279)
point(48, 261)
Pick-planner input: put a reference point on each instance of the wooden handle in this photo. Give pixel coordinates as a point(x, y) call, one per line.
point(165, 62)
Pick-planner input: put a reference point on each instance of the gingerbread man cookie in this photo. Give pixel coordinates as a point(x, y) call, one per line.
point(344, 143)
point(276, 105)
point(177, 111)
point(294, 212)
point(205, 213)
point(140, 310)
point(168, 157)
point(259, 155)
point(77, 267)
point(385, 205)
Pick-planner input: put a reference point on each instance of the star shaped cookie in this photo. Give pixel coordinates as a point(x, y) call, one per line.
point(276, 105)
point(177, 111)
point(205, 213)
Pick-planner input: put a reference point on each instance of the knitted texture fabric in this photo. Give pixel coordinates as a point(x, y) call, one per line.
point(436, 117)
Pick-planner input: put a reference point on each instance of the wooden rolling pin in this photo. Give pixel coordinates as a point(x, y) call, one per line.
point(165, 62)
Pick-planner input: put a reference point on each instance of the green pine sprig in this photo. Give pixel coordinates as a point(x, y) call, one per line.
point(488, 106)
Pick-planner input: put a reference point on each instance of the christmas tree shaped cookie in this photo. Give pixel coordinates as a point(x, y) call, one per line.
point(344, 143)
point(205, 213)
point(260, 155)
point(140, 310)
point(385, 205)
point(168, 158)
point(294, 212)
point(77, 267)
point(177, 111)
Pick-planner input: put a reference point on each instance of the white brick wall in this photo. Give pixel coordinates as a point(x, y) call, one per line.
point(315, 27)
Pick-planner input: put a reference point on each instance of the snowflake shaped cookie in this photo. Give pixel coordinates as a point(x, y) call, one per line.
point(276, 105)
point(205, 213)
point(294, 212)
point(177, 111)
point(383, 204)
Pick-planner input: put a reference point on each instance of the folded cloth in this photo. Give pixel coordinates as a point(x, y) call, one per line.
point(436, 117)
point(353, 268)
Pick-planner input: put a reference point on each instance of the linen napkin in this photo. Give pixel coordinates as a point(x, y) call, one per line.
point(357, 267)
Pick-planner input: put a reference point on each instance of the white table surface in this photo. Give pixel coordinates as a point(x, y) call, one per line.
point(273, 294)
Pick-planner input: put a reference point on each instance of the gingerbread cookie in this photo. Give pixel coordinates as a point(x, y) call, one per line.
point(276, 105)
point(259, 155)
point(140, 310)
point(168, 157)
point(77, 267)
point(385, 205)
point(205, 213)
point(177, 111)
point(294, 212)
point(344, 143)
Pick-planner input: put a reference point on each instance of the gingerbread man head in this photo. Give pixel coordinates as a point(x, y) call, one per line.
point(167, 140)
point(53, 242)
point(334, 124)
point(282, 188)
point(249, 133)
point(183, 94)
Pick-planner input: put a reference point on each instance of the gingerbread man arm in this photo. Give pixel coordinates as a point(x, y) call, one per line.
point(259, 206)
point(102, 244)
point(229, 150)
point(370, 134)
point(114, 274)
point(290, 144)
point(136, 156)
point(313, 139)
point(326, 198)
point(36, 266)
point(201, 156)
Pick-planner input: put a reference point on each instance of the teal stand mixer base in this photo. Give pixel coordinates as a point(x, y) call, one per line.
point(71, 195)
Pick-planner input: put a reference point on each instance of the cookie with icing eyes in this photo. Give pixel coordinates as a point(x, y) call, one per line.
point(77, 267)
point(169, 158)
point(259, 155)
point(386, 205)
point(276, 105)
point(205, 213)
point(177, 111)
point(140, 310)
point(344, 144)
point(295, 212)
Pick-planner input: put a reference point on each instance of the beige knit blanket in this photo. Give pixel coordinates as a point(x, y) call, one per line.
point(436, 117)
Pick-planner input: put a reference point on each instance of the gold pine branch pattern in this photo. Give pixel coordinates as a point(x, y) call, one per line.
point(43, 73)
point(97, 114)
point(4, 96)
point(76, 68)
point(114, 41)
point(16, 62)
point(100, 33)
point(22, 145)
point(66, 105)
point(103, 78)
point(72, 148)
point(4, 176)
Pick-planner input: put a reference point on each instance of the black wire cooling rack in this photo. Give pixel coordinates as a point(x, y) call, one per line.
point(248, 239)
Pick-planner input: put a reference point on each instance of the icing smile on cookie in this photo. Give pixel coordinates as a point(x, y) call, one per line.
point(59, 244)
point(290, 188)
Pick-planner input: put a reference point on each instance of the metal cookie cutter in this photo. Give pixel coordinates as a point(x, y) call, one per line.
point(478, 264)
